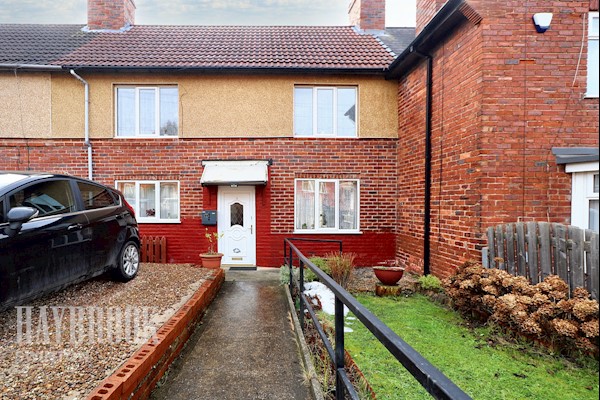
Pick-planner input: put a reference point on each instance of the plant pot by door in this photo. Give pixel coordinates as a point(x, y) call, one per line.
point(388, 275)
point(211, 260)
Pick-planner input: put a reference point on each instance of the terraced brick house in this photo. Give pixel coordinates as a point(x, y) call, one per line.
point(400, 143)
point(283, 131)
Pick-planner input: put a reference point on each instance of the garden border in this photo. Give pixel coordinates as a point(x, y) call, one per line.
point(138, 376)
point(315, 386)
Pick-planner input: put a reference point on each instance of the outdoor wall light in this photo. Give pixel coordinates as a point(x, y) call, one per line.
point(542, 21)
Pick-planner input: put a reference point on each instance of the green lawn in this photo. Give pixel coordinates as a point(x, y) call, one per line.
point(483, 371)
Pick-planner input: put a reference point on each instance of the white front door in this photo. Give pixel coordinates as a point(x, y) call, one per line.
point(236, 220)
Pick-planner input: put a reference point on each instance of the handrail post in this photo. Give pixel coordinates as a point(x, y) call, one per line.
point(291, 271)
point(301, 290)
point(339, 348)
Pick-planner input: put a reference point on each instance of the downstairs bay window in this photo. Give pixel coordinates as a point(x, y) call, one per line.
point(153, 201)
point(326, 206)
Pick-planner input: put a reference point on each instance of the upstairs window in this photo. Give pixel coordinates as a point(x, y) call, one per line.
point(325, 111)
point(593, 55)
point(147, 111)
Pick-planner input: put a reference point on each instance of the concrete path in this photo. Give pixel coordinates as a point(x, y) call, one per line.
point(245, 347)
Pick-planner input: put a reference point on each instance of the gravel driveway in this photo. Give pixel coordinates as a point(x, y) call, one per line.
point(63, 345)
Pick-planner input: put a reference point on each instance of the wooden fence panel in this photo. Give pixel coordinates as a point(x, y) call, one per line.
point(491, 247)
point(501, 264)
point(532, 251)
point(560, 251)
point(545, 250)
point(536, 250)
point(510, 249)
point(521, 253)
point(577, 270)
point(153, 249)
point(592, 259)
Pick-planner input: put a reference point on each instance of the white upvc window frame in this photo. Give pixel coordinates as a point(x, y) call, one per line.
point(315, 93)
point(582, 191)
point(156, 219)
point(593, 61)
point(335, 229)
point(136, 134)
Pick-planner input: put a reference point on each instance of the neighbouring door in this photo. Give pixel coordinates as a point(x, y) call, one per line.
point(236, 219)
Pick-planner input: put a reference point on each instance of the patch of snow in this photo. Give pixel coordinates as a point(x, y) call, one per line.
point(325, 296)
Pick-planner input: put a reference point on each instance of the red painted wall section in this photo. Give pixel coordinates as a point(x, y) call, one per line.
point(503, 96)
point(372, 161)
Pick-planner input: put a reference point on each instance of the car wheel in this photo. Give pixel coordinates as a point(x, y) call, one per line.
point(129, 262)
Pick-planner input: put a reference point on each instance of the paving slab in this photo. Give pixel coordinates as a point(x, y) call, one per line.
point(245, 347)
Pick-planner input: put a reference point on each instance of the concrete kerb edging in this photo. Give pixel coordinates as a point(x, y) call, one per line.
point(315, 386)
point(137, 377)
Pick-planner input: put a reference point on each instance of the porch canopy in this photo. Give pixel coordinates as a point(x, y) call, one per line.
point(233, 173)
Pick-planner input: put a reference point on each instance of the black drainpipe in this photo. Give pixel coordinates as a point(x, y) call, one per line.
point(427, 215)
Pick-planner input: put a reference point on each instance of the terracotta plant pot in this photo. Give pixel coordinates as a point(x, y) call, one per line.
point(211, 260)
point(388, 275)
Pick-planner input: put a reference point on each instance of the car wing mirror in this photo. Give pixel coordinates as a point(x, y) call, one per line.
point(17, 216)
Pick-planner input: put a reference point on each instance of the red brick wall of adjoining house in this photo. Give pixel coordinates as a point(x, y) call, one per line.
point(426, 9)
point(503, 96)
point(455, 199)
point(533, 101)
point(372, 161)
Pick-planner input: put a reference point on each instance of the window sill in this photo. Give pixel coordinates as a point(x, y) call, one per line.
point(145, 137)
point(324, 137)
point(158, 221)
point(327, 232)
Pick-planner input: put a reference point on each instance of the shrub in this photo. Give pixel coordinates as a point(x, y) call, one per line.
point(321, 263)
point(542, 312)
point(341, 266)
point(284, 274)
point(430, 282)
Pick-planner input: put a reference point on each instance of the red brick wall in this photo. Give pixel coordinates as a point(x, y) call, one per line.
point(426, 9)
point(503, 96)
point(371, 161)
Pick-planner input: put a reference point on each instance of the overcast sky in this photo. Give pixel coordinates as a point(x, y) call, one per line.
point(206, 12)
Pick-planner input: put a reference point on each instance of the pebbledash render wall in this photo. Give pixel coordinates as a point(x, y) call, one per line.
point(370, 160)
point(503, 96)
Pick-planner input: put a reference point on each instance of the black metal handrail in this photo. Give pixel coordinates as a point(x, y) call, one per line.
point(285, 257)
point(434, 381)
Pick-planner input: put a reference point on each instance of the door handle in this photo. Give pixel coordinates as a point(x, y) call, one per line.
point(251, 231)
point(74, 227)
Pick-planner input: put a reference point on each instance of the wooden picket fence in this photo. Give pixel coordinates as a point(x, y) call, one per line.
point(153, 249)
point(538, 249)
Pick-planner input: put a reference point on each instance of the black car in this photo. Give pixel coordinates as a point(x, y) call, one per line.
point(56, 230)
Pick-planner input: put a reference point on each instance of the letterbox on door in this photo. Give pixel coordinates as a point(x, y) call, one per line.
point(209, 217)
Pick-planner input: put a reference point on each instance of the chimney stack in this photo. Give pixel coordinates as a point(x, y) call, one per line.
point(367, 14)
point(110, 14)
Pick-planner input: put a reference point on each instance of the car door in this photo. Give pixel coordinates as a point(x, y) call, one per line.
point(51, 250)
point(106, 223)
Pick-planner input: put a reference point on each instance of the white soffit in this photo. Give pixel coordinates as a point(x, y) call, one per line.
point(250, 172)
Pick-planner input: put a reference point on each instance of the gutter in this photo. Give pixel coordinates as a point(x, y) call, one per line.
point(31, 67)
point(86, 122)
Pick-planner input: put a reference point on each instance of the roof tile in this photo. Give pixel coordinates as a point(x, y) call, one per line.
point(161, 46)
